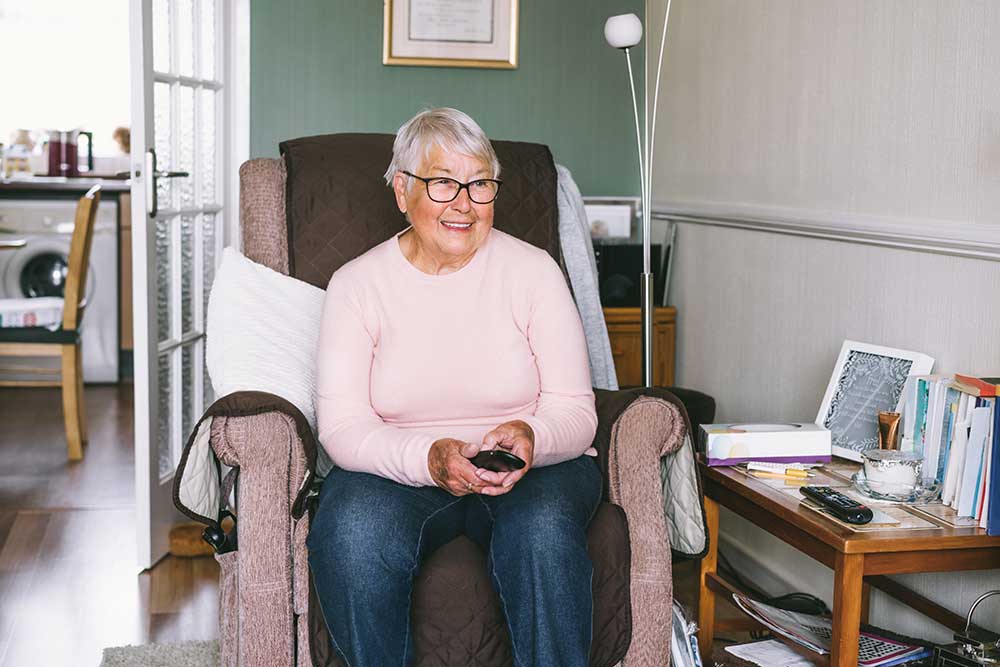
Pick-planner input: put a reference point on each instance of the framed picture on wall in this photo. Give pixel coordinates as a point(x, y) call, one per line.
point(450, 33)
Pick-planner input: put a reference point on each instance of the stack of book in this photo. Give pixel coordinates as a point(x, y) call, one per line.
point(953, 421)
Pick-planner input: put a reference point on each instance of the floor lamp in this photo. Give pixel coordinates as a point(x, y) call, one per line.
point(624, 31)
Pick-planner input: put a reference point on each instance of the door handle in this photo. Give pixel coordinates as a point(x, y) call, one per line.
point(152, 173)
point(13, 245)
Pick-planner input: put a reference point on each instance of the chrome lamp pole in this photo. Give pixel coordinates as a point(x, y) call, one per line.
point(624, 32)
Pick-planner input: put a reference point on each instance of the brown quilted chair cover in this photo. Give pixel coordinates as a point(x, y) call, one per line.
point(338, 205)
point(457, 619)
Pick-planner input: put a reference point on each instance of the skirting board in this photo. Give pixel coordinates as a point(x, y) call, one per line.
point(979, 241)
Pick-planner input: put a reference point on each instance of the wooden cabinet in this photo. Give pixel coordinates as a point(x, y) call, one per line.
point(625, 332)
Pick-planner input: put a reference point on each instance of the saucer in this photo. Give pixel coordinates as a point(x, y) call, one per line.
point(924, 492)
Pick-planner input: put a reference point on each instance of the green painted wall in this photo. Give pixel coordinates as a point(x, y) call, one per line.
point(316, 67)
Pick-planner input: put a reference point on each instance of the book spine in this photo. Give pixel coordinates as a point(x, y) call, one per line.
point(920, 422)
point(993, 509)
point(951, 414)
point(982, 504)
point(973, 461)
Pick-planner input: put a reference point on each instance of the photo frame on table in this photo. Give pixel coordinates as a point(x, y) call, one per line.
point(867, 379)
point(450, 33)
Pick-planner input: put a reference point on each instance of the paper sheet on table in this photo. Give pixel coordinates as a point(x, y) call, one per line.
point(770, 653)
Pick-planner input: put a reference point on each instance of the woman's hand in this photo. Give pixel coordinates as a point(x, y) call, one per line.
point(449, 465)
point(517, 438)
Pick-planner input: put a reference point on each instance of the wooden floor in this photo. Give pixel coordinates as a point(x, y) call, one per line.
point(69, 583)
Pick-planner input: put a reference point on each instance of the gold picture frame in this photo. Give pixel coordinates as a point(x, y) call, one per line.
point(427, 33)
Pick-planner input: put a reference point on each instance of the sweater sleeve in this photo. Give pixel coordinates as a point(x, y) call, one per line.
point(565, 418)
point(351, 432)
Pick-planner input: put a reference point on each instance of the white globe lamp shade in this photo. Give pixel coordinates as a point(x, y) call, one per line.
point(623, 31)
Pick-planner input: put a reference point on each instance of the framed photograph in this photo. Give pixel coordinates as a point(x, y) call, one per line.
point(450, 33)
point(866, 380)
point(612, 217)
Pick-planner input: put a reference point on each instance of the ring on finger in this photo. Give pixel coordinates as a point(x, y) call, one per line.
point(468, 485)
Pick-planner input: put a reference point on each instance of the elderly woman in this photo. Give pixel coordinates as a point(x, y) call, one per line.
point(450, 338)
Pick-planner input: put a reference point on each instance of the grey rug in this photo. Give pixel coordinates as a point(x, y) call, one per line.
point(184, 654)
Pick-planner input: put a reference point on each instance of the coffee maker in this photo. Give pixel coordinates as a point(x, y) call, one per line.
point(64, 152)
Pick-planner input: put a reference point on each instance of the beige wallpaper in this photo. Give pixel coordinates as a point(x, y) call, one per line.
point(848, 110)
point(881, 113)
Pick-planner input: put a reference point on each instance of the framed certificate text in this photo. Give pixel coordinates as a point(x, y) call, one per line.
point(450, 33)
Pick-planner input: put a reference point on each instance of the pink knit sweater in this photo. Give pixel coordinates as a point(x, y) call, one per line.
point(406, 358)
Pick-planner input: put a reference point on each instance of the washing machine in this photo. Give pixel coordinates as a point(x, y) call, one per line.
point(39, 269)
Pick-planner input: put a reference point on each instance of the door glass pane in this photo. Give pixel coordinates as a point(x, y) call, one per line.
point(161, 36)
point(206, 145)
point(187, 272)
point(207, 29)
point(185, 37)
point(164, 151)
point(185, 145)
point(208, 266)
point(164, 417)
point(164, 271)
point(187, 392)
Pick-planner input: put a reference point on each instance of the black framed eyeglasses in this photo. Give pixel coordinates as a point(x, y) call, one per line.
point(443, 190)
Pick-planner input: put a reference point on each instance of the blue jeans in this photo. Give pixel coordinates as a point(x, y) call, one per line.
point(370, 536)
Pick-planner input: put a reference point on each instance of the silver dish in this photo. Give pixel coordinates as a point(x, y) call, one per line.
point(926, 490)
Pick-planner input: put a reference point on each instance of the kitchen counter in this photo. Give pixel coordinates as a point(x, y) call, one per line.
point(62, 184)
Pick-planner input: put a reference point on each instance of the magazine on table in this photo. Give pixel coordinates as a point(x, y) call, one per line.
point(815, 633)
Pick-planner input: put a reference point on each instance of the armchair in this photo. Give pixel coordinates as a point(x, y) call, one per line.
point(305, 215)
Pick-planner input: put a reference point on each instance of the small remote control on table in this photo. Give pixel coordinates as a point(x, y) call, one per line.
point(839, 505)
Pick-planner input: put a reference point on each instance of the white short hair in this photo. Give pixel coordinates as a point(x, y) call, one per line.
point(447, 128)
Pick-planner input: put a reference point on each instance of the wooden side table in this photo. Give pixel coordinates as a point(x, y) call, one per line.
point(859, 560)
point(625, 332)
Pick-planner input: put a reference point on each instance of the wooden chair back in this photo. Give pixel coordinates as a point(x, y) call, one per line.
point(79, 258)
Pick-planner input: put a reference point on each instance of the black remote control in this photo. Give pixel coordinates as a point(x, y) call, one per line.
point(841, 506)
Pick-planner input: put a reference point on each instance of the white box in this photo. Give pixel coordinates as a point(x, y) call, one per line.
point(729, 444)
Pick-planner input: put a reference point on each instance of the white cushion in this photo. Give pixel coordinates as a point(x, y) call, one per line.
point(263, 332)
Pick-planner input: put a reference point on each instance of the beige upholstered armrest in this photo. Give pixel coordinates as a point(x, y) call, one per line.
point(634, 432)
point(273, 466)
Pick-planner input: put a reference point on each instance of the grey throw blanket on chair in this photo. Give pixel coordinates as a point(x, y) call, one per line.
point(578, 253)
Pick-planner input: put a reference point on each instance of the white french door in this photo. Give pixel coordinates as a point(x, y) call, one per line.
point(180, 206)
